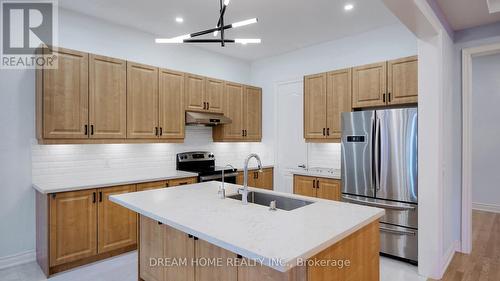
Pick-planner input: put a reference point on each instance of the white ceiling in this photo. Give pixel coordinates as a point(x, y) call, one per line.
point(284, 25)
point(462, 14)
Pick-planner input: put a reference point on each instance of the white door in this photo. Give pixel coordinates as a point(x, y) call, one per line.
point(290, 145)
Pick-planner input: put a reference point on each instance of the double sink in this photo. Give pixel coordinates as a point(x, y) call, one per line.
point(265, 199)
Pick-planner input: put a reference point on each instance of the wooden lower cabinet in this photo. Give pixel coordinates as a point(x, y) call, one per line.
point(73, 226)
point(151, 185)
point(317, 187)
point(359, 250)
point(183, 181)
point(117, 226)
point(264, 179)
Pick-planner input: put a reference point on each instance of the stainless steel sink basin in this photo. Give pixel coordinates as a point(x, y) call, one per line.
point(264, 199)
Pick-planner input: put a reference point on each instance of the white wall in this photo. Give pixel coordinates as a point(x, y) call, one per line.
point(17, 117)
point(386, 43)
point(485, 128)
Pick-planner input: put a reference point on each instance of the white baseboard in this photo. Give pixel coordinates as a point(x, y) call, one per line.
point(486, 207)
point(448, 256)
point(17, 259)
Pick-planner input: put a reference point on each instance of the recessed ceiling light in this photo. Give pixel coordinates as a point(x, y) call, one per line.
point(348, 7)
point(179, 19)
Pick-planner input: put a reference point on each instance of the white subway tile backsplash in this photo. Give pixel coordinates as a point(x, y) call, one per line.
point(50, 161)
point(325, 155)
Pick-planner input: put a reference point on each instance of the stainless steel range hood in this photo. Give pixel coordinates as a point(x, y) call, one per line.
point(206, 119)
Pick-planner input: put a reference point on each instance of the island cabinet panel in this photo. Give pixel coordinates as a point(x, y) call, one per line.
point(304, 186)
point(248, 271)
point(209, 252)
point(107, 97)
point(214, 95)
point(64, 96)
point(171, 104)
point(178, 246)
point(323, 188)
point(73, 226)
point(402, 81)
point(315, 106)
point(369, 85)
point(117, 226)
point(195, 92)
point(152, 244)
point(361, 249)
point(328, 189)
point(142, 101)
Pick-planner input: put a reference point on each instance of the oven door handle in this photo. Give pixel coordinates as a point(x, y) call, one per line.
point(380, 205)
point(218, 176)
point(398, 232)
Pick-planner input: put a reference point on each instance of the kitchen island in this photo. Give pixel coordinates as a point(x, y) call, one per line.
point(188, 233)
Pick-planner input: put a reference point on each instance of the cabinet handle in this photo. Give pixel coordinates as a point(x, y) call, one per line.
point(242, 133)
point(246, 134)
point(183, 183)
point(156, 131)
point(317, 183)
point(160, 223)
point(161, 131)
point(204, 105)
point(86, 129)
point(314, 183)
point(208, 105)
point(324, 131)
point(92, 129)
point(167, 185)
point(93, 198)
point(327, 131)
point(389, 97)
point(383, 97)
point(100, 196)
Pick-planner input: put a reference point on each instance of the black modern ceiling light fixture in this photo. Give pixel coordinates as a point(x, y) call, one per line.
point(219, 29)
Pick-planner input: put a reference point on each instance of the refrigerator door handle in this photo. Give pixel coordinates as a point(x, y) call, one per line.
point(376, 151)
point(379, 205)
point(398, 232)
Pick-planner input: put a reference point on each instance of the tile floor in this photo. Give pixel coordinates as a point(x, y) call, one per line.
point(124, 268)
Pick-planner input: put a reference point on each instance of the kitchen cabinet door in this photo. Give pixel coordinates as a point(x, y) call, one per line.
point(402, 80)
point(214, 95)
point(253, 111)
point(142, 101)
point(338, 89)
point(117, 225)
point(107, 98)
point(206, 251)
point(264, 179)
point(303, 185)
point(328, 189)
point(73, 226)
point(195, 92)
point(234, 109)
point(315, 106)
point(152, 245)
point(369, 85)
point(171, 103)
point(178, 245)
point(66, 96)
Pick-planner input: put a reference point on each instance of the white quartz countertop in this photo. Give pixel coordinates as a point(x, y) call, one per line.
point(107, 178)
point(252, 231)
point(318, 172)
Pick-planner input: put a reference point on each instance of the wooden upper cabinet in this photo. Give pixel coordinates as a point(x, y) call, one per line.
point(142, 101)
point(369, 85)
point(402, 80)
point(328, 189)
point(315, 107)
point(73, 226)
point(65, 96)
point(338, 89)
point(214, 95)
point(234, 99)
point(195, 92)
point(303, 185)
point(253, 111)
point(171, 102)
point(107, 97)
point(117, 226)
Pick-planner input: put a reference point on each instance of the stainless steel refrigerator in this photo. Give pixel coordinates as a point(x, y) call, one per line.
point(379, 168)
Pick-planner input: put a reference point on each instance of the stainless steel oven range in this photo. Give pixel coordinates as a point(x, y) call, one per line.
point(203, 163)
